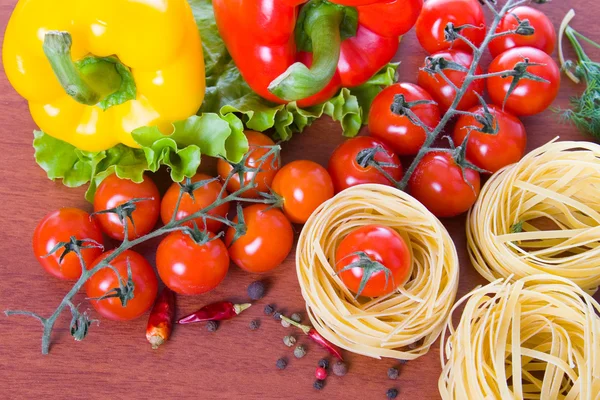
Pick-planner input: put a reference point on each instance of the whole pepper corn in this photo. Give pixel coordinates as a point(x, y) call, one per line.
point(153, 45)
point(306, 50)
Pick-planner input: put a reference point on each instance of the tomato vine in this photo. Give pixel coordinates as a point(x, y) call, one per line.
point(436, 66)
point(81, 321)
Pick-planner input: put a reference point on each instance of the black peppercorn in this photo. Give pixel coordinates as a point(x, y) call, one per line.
point(323, 363)
point(256, 290)
point(392, 393)
point(254, 324)
point(393, 373)
point(402, 361)
point(212, 326)
point(281, 363)
point(319, 384)
point(277, 316)
point(269, 309)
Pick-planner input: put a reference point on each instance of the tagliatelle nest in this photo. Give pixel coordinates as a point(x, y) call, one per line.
point(535, 338)
point(541, 215)
point(403, 324)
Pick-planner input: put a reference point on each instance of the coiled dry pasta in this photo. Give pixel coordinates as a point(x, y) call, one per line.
point(403, 324)
point(534, 338)
point(541, 215)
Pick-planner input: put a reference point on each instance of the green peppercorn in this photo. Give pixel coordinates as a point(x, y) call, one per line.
point(299, 352)
point(285, 324)
point(281, 363)
point(392, 393)
point(289, 341)
point(340, 368)
point(269, 309)
point(254, 324)
point(296, 317)
point(319, 384)
point(256, 290)
point(212, 326)
point(393, 373)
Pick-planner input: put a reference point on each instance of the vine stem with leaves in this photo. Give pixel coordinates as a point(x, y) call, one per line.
point(438, 65)
point(81, 322)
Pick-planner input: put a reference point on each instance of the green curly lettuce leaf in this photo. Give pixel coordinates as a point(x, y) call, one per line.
point(181, 151)
point(227, 92)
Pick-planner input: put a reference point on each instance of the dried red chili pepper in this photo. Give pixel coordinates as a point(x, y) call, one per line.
point(215, 312)
point(160, 323)
point(316, 337)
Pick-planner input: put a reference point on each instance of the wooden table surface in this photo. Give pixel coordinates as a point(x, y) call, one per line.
point(115, 361)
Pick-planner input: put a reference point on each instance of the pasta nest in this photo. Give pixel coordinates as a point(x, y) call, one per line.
point(403, 324)
point(534, 338)
point(541, 215)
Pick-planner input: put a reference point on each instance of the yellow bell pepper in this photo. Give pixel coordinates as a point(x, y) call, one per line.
point(95, 70)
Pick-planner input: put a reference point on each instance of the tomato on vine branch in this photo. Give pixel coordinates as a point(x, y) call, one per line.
point(444, 73)
point(264, 242)
point(363, 160)
point(191, 261)
point(113, 208)
point(257, 166)
point(60, 235)
point(466, 18)
point(391, 117)
point(530, 85)
point(531, 27)
point(126, 289)
point(191, 196)
point(496, 138)
point(445, 186)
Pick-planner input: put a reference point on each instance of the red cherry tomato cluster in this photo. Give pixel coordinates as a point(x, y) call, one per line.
point(189, 262)
point(442, 180)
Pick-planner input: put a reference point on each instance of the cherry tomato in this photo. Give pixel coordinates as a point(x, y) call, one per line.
point(113, 192)
point(268, 240)
point(529, 97)
point(442, 92)
point(203, 197)
point(404, 137)
point(438, 183)
point(187, 267)
point(346, 171)
point(544, 37)
point(380, 244)
point(437, 14)
point(303, 185)
point(492, 152)
point(144, 280)
point(59, 226)
point(264, 179)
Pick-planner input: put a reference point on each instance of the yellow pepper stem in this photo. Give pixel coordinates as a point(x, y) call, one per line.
point(87, 86)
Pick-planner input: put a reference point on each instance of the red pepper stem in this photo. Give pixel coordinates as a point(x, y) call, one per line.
point(238, 308)
point(299, 81)
point(304, 328)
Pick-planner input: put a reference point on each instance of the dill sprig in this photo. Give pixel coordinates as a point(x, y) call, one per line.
point(585, 109)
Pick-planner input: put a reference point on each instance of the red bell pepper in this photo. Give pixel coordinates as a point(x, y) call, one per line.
point(306, 50)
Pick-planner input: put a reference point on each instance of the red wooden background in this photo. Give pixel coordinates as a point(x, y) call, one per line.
point(115, 361)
